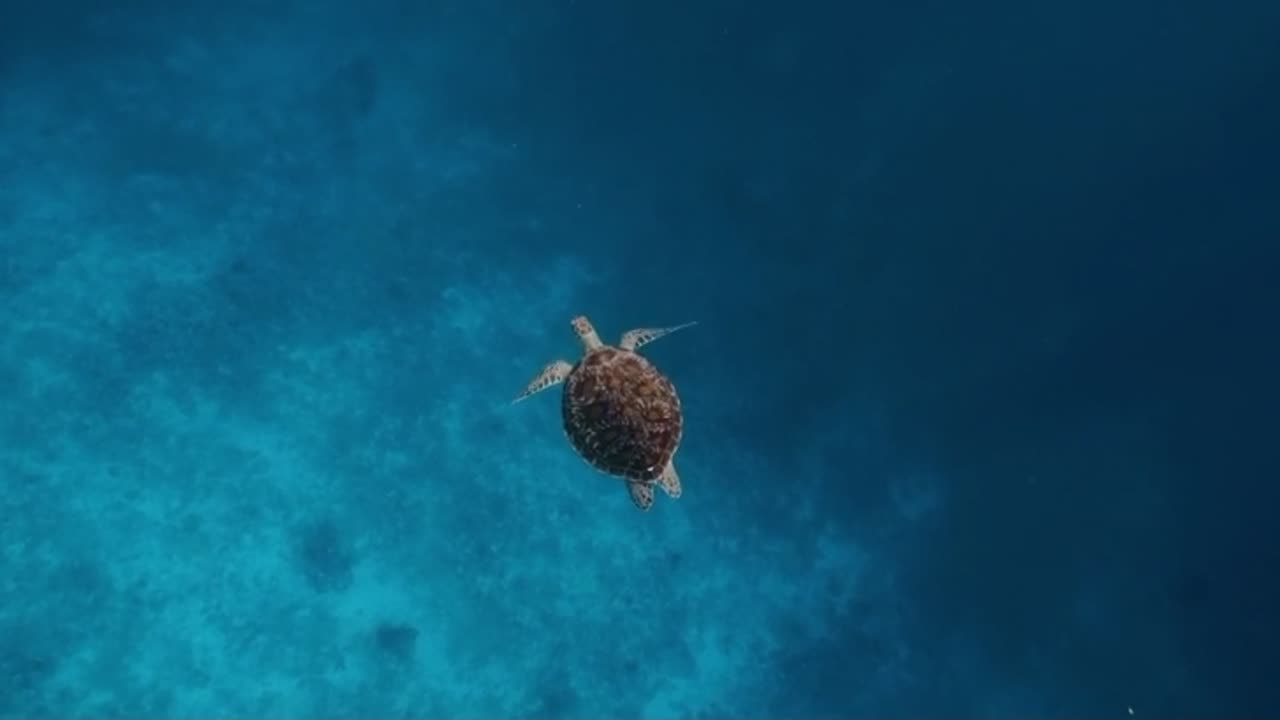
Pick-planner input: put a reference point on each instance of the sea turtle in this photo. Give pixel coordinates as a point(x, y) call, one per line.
point(620, 413)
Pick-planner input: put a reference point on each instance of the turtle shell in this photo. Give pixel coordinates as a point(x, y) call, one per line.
point(622, 415)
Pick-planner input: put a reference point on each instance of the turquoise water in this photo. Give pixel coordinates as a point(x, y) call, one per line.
point(975, 405)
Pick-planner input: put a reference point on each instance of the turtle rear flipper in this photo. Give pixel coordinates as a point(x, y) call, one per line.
point(670, 481)
point(641, 494)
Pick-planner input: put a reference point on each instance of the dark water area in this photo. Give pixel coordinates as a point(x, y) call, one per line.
point(980, 406)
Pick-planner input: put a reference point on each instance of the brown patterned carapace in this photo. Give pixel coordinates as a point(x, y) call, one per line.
point(621, 414)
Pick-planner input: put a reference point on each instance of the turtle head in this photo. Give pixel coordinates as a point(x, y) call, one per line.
point(586, 333)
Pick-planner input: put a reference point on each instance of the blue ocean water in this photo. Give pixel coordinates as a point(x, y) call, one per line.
point(980, 406)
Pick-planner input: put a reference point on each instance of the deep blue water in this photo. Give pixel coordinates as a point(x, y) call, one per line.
point(980, 407)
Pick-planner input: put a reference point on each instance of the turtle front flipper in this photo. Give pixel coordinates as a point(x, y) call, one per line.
point(634, 339)
point(641, 494)
point(553, 374)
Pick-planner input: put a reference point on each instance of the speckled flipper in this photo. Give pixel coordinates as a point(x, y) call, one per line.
point(641, 494)
point(670, 481)
point(634, 339)
point(552, 374)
